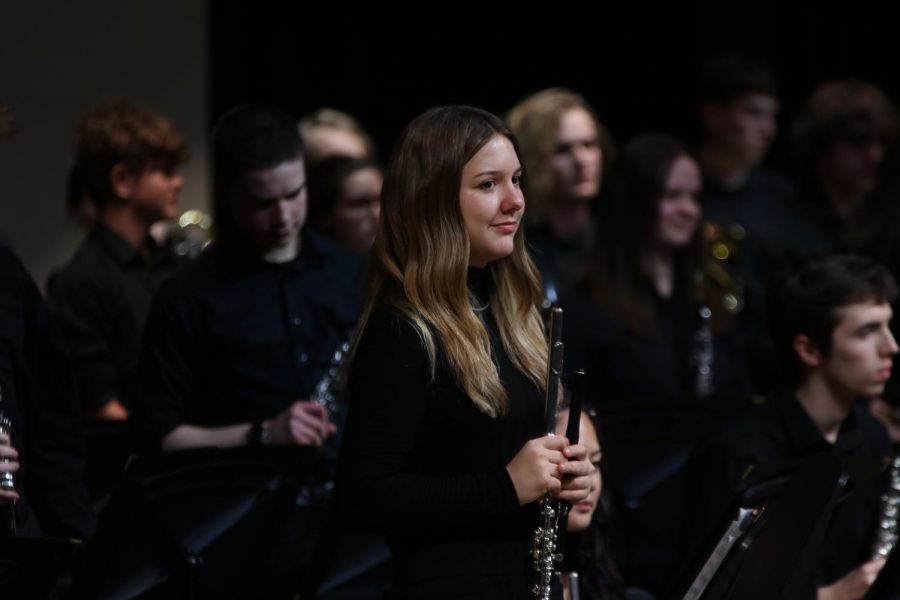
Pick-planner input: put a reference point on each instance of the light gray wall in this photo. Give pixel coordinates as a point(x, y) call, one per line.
point(58, 59)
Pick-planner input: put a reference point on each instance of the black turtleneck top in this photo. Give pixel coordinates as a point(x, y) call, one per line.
point(423, 465)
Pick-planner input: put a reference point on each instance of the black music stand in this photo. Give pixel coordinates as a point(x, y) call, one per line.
point(194, 524)
point(31, 566)
point(772, 555)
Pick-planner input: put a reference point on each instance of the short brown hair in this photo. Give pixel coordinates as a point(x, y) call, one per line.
point(806, 300)
point(119, 132)
point(843, 109)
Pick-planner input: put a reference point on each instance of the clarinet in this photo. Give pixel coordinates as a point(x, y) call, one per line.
point(7, 481)
point(886, 536)
point(544, 545)
point(332, 382)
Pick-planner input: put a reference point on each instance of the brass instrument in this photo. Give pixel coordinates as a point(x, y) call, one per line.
point(724, 249)
point(544, 545)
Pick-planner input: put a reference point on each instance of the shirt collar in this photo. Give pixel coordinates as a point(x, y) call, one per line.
point(244, 257)
point(806, 438)
point(116, 246)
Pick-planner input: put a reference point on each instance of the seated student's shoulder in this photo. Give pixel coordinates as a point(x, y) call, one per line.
point(870, 434)
point(755, 435)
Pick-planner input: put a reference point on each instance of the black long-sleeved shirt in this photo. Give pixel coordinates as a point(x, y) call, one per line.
point(627, 369)
point(39, 397)
point(423, 465)
point(102, 298)
point(780, 431)
point(232, 338)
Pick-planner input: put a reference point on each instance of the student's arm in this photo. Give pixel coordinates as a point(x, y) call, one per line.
point(81, 305)
point(854, 584)
point(304, 422)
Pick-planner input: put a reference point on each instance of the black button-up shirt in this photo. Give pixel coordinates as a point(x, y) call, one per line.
point(779, 432)
point(102, 298)
point(232, 338)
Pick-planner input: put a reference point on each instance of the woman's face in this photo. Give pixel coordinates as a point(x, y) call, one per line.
point(491, 201)
point(354, 219)
point(577, 160)
point(581, 514)
point(679, 207)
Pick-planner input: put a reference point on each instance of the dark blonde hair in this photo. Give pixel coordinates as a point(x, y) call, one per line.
point(535, 122)
point(119, 132)
point(421, 255)
point(333, 118)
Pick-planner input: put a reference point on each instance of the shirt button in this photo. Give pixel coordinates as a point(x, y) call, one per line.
point(296, 321)
point(304, 357)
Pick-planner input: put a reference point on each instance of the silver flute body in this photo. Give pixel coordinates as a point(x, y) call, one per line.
point(544, 545)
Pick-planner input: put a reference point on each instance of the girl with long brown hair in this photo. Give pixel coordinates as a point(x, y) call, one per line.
point(443, 449)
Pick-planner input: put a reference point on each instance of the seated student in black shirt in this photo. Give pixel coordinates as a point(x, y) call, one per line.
point(444, 450)
point(127, 161)
point(237, 342)
point(830, 320)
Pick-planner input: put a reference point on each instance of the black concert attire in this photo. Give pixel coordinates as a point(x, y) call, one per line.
point(763, 205)
point(817, 228)
point(627, 369)
point(652, 410)
point(40, 399)
point(777, 432)
point(233, 339)
point(102, 297)
point(423, 465)
point(560, 262)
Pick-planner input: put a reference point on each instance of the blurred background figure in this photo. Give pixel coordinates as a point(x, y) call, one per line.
point(127, 161)
point(41, 431)
point(663, 366)
point(745, 200)
point(562, 147)
point(839, 142)
point(328, 132)
point(345, 200)
point(747, 204)
point(643, 305)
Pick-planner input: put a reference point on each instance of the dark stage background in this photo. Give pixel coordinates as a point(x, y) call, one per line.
point(636, 64)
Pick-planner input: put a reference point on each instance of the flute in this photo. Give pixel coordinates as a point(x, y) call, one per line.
point(544, 544)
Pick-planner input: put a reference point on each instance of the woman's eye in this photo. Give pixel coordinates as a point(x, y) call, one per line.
point(487, 185)
point(517, 179)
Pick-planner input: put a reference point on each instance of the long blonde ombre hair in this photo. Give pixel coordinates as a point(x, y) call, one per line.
point(421, 255)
